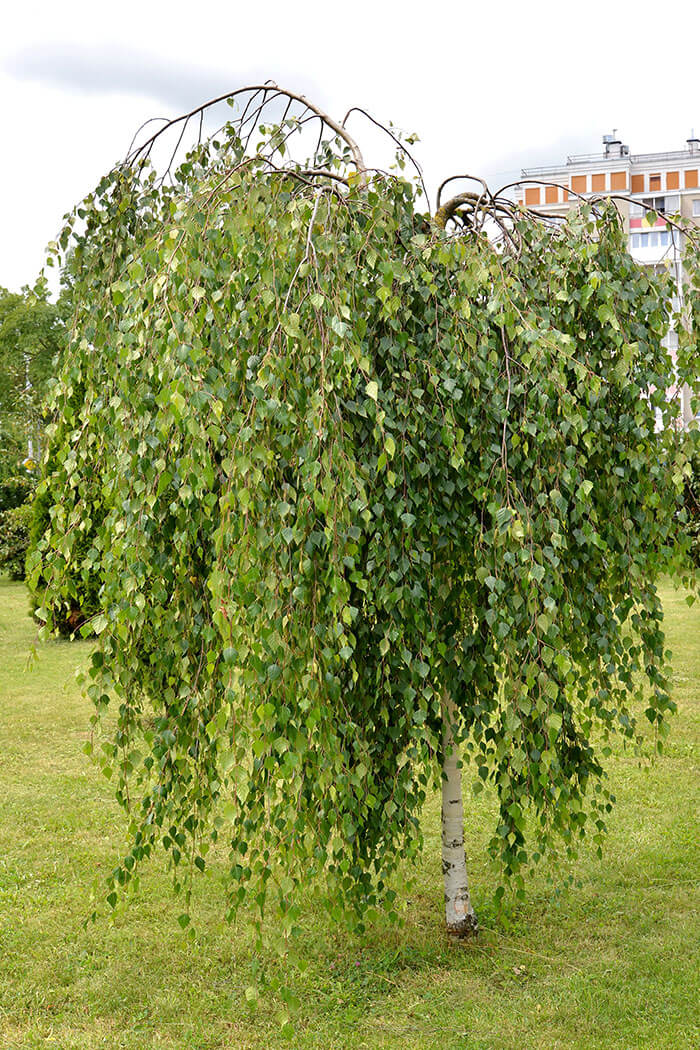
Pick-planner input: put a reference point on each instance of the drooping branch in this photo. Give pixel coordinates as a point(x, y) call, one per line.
point(255, 90)
point(395, 139)
point(471, 211)
point(593, 200)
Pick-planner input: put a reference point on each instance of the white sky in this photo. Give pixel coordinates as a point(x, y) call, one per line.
point(488, 87)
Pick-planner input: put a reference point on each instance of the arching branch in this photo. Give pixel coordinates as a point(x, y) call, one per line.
point(254, 90)
point(468, 178)
point(395, 139)
point(450, 209)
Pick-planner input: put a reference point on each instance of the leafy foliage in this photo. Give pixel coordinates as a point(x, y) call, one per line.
point(12, 450)
point(15, 513)
point(14, 540)
point(350, 463)
point(79, 602)
point(15, 490)
point(691, 500)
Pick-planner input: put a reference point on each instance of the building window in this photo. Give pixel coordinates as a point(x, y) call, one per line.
point(551, 194)
point(696, 207)
point(691, 178)
point(654, 182)
point(637, 184)
point(579, 183)
point(672, 180)
point(655, 203)
point(597, 183)
point(618, 180)
point(655, 239)
point(673, 204)
point(532, 195)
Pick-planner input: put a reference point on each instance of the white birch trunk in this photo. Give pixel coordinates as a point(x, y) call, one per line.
point(459, 914)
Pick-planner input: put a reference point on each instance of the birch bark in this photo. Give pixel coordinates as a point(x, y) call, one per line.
point(459, 913)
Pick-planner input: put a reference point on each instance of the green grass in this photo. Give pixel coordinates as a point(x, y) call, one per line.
point(612, 963)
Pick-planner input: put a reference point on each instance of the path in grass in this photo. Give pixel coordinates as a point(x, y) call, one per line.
point(612, 964)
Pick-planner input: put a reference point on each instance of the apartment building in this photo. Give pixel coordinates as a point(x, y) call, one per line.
point(668, 183)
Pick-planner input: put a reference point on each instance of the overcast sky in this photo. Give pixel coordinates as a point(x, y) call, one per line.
point(489, 87)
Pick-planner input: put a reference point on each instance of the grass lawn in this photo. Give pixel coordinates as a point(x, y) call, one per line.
point(612, 963)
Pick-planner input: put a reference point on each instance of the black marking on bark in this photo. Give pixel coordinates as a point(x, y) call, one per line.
point(464, 929)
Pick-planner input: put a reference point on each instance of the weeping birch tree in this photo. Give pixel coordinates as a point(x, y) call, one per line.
point(385, 501)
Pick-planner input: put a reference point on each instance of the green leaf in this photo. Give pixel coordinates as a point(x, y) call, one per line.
point(291, 325)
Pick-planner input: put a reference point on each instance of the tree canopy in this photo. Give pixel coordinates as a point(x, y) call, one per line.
point(366, 473)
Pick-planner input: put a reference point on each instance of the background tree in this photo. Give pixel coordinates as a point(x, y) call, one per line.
point(381, 495)
point(32, 338)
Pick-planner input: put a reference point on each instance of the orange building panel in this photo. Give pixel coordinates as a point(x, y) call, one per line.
point(691, 178)
point(672, 180)
point(598, 183)
point(532, 195)
point(551, 194)
point(618, 180)
point(637, 185)
point(565, 195)
point(655, 182)
point(578, 183)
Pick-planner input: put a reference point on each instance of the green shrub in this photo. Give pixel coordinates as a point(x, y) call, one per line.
point(14, 491)
point(14, 539)
point(691, 500)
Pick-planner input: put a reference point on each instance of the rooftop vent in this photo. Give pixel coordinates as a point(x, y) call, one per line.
point(613, 145)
